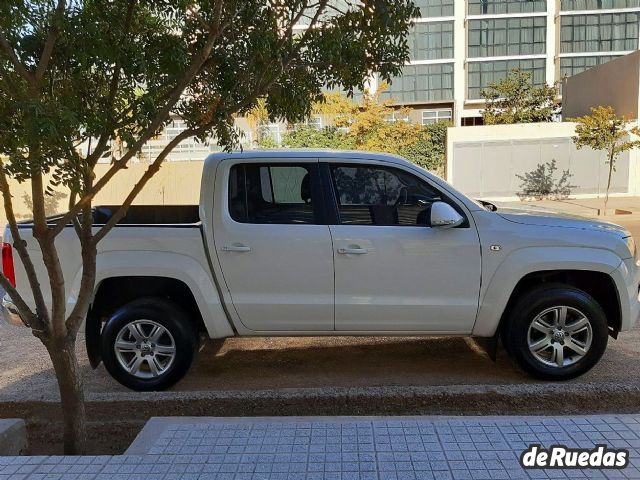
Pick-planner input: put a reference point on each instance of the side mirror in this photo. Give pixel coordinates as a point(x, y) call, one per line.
point(444, 215)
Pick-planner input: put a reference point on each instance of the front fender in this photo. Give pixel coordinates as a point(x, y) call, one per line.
point(498, 288)
point(168, 265)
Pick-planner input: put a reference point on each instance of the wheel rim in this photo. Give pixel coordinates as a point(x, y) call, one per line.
point(560, 336)
point(145, 349)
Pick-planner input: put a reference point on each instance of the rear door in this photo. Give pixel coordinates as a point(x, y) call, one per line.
point(394, 273)
point(274, 245)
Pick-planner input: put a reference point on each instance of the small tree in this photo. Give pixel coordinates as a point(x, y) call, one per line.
point(77, 76)
point(605, 131)
point(516, 99)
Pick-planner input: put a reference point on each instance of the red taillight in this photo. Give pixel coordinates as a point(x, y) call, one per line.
point(7, 263)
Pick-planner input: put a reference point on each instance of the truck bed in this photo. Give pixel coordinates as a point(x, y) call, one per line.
point(150, 214)
point(171, 215)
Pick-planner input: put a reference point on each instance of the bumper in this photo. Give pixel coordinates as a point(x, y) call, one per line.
point(10, 313)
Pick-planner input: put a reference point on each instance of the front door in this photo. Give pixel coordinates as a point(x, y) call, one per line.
point(393, 271)
point(274, 250)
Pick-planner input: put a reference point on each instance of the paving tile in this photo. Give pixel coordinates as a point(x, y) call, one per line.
point(365, 448)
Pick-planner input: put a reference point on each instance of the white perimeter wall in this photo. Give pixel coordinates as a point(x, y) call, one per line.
point(484, 161)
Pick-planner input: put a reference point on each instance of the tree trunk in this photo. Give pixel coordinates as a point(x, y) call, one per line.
point(65, 363)
point(606, 195)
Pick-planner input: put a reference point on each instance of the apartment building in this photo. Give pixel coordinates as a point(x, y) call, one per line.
point(458, 47)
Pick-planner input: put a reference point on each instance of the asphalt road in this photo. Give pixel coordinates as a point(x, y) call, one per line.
point(316, 362)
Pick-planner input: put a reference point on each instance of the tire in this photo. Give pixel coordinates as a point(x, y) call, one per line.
point(536, 348)
point(155, 365)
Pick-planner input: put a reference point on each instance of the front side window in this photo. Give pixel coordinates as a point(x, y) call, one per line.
point(271, 194)
point(370, 195)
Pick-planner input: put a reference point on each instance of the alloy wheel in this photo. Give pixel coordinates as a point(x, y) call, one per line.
point(560, 336)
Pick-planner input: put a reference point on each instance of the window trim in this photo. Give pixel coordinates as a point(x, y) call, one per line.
point(331, 194)
point(317, 190)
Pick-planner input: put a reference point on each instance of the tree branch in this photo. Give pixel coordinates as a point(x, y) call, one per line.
point(151, 171)
point(88, 253)
point(40, 320)
point(6, 47)
point(50, 257)
point(92, 158)
point(160, 118)
point(25, 312)
point(52, 37)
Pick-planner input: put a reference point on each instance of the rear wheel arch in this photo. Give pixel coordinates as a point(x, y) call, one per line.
point(114, 292)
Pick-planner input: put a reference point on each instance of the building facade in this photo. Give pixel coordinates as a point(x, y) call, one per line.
point(459, 47)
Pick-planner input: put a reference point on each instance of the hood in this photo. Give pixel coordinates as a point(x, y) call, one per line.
point(550, 218)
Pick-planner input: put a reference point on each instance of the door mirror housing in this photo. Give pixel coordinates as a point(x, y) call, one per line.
point(444, 215)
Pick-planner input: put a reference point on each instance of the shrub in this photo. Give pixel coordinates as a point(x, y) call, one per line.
point(540, 184)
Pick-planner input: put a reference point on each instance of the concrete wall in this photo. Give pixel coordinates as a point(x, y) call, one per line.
point(484, 161)
point(614, 84)
point(177, 183)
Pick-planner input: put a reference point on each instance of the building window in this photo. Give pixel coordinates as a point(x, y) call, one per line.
point(397, 116)
point(607, 32)
point(422, 83)
point(472, 121)
point(314, 121)
point(435, 8)
point(482, 74)
point(490, 7)
point(431, 41)
point(496, 37)
point(575, 65)
point(434, 116)
point(598, 4)
point(271, 131)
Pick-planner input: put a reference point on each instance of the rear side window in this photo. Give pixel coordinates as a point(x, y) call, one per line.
point(271, 194)
point(382, 196)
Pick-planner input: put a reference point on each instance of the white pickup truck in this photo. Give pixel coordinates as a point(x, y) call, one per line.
point(344, 243)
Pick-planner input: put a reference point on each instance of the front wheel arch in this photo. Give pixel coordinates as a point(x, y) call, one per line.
point(598, 285)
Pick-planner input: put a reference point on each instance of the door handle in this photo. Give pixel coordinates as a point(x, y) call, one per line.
point(352, 251)
point(236, 248)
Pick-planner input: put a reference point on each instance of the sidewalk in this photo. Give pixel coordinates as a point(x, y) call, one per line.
point(343, 448)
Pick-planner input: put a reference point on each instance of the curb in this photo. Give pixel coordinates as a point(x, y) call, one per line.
point(13, 436)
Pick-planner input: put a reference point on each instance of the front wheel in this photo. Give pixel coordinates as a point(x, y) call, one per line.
point(148, 344)
point(556, 332)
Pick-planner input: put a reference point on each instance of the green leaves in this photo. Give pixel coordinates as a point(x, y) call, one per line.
point(605, 130)
point(516, 100)
point(116, 67)
point(366, 125)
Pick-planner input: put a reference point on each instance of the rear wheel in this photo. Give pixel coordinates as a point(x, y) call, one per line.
point(148, 344)
point(556, 332)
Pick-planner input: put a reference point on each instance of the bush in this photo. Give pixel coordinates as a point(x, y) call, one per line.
point(540, 184)
point(429, 151)
point(310, 137)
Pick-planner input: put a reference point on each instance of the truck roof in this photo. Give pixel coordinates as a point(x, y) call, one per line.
point(287, 153)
